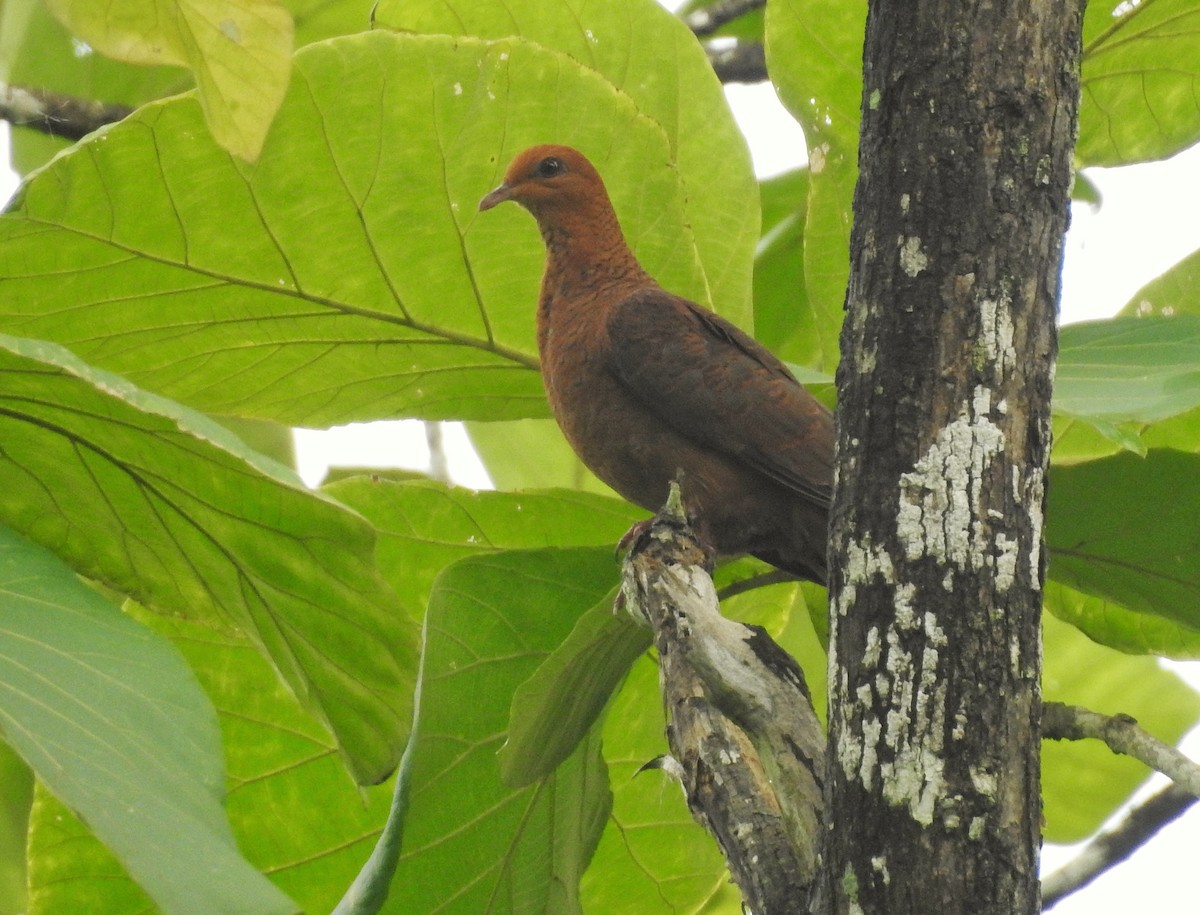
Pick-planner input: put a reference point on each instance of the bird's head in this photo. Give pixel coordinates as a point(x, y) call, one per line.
point(543, 178)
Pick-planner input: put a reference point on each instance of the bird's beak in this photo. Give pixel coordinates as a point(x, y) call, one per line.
point(499, 195)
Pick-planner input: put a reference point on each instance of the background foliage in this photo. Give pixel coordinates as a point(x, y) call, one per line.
point(237, 639)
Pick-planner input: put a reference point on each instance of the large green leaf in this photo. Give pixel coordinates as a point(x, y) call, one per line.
point(426, 526)
point(1119, 369)
point(114, 724)
point(70, 870)
point(649, 56)
point(1174, 292)
point(1077, 440)
point(163, 504)
point(1127, 529)
point(1118, 627)
point(239, 50)
point(36, 50)
point(1126, 384)
point(16, 796)
point(1179, 432)
point(471, 844)
point(1083, 782)
point(297, 814)
point(652, 851)
point(375, 292)
point(555, 708)
point(1141, 63)
point(278, 758)
point(531, 454)
point(814, 56)
point(780, 289)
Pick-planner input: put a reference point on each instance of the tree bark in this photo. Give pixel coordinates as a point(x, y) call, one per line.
point(745, 740)
point(937, 563)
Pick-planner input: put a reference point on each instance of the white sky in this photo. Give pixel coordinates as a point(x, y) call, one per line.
point(1148, 220)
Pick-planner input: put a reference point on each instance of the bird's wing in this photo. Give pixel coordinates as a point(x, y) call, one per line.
point(721, 388)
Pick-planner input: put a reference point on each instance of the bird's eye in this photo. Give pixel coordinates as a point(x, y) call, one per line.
point(550, 167)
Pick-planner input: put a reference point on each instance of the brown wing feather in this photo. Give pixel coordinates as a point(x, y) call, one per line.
point(720, 387)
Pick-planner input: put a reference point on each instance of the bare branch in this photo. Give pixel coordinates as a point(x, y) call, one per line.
point(1111, 848)
point(56, 114)
point(439, 464)
point(744, 62)
point(707, 20)
point(744, 739)
point(1122, 734)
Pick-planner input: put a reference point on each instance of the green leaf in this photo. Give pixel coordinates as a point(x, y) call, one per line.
point(371, 886)
point(1077, 440)
point(1120, 369)
point(295, 810)
point(827, 260)
point(554, 709)
point(1171, 294)
point(647, 55)
point(782, 319)
point(163, 504)
point(239, 50)
point(16, 797)
point(1083, 782)
point(1179, 432)
point(1139, 76)
point(814, 56)
point(36, 50)
point(1131, 382)
point(426, 526)
point(1127, 529)
point(1175, 292)
point(376, 292)
point(470, 842)
point(1084, 190)
point(1118, 627)
point(112, 722)
point(652, 850)
point(268, 439)
point(531, 454)
point(278, 758)
point(70, 870)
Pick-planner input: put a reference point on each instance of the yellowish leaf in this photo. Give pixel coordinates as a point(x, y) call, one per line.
point(239, 50)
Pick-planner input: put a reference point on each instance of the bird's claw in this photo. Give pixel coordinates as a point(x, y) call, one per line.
point(631, 536)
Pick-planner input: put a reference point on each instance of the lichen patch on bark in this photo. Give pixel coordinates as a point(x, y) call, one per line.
point(940, 496)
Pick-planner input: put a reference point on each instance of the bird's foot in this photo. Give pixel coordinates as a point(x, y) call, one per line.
point(631, 536)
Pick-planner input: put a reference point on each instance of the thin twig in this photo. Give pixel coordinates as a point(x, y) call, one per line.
point(55, 113)
point(708, 19)
point(744, 62)
point(439, 464)
point(1110, 848)
point(1122, 734)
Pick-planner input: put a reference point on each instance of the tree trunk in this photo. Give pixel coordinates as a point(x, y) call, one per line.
point(948, 350)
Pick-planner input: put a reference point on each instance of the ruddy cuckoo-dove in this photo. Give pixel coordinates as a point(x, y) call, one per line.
point(649, 387)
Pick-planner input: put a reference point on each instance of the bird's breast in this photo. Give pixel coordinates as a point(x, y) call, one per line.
point(613, 430)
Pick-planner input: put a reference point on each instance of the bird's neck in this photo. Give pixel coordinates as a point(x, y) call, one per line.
point(586, 251)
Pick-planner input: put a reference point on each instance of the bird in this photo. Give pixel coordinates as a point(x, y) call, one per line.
point(649, 387)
